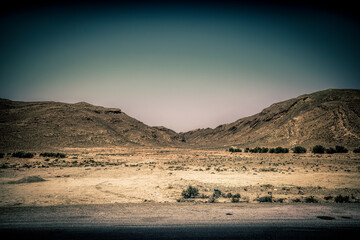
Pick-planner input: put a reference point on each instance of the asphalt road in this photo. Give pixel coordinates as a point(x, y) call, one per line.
point(149, 222)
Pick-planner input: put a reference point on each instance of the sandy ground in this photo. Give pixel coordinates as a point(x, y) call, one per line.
point(159, 175)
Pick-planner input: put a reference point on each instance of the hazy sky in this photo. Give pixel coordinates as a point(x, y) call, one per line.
point(180, 66)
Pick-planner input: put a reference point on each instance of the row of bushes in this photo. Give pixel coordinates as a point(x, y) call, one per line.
point(51, 154)
point(193, 192)
point(298, 149)
point(261, 150)
point(22, 154)
point(338, 149)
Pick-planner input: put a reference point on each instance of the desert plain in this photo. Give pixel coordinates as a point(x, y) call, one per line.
point(159, 175)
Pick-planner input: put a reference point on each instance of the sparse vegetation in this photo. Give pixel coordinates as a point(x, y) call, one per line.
point(51, 154)
point(318, 149)
point(22, 154)
point(234, 149)
point(190, 192)
point(299, 149)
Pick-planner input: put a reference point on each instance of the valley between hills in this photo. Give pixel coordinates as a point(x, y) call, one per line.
point(109, 157)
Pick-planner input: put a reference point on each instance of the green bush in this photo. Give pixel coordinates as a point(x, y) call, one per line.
point(272, 150)
point(318, 149)
point(356, 150)
point(330, 150)
point(190, 192)
point(299, 149)
point(341, 149)
point(22, 155)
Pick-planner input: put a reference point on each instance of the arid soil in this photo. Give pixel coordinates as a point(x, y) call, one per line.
point(136, 175)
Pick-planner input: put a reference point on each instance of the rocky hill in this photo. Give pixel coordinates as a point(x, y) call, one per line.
point(330, 117)
point(327, 117)
point(47, 125)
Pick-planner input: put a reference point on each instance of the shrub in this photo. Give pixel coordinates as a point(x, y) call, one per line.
point(341, 149)
point(231, 149)
point(217, 193)
point(264, 150)
point(22, 155)
point(229, 195)
point(318, 149)
point(265, 199)
point(55, 155)
point(311, 199)
point(235, 199)
point(255, 150)
point(356, 150)
point(341, 199)
point(281, 150)
point(2, 155)
point(272, 150)
point(327, 198)
point(299, 149)
point(237, 195)
point(190, 192)
point(211, 199)
point(246, 150)
point(330, 150)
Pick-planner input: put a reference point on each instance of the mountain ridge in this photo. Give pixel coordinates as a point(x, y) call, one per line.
point(325, 117)
point(292, 114)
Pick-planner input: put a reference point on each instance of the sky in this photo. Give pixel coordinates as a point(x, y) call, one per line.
point(182, 66)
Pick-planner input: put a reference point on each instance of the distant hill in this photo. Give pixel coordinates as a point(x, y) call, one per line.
point(330, 117)
point(327, 117)
point(47, 125)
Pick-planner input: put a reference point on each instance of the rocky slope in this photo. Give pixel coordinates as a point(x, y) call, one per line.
point(327, 117)
point(46, 125)
point(330, 117)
